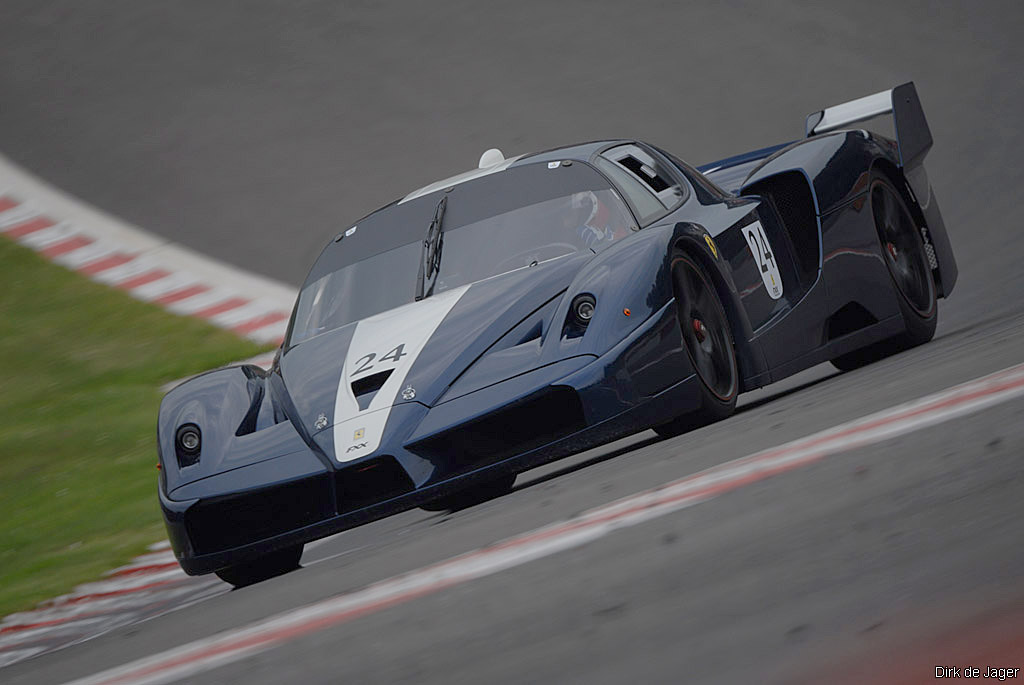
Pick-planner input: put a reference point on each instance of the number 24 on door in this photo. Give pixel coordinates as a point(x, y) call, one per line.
point(757, 241)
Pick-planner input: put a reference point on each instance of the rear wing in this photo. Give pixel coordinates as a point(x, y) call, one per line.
point(912, 133)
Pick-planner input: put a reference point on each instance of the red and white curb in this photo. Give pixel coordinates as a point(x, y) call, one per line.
point(232, 645)
point(107, 250)
point(152, 584)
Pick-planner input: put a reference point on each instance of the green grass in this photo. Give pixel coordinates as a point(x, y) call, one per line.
point(80, 370)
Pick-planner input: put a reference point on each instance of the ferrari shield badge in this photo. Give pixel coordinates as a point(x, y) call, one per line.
point(358, 435)
point(321, 422)
point(711, 246)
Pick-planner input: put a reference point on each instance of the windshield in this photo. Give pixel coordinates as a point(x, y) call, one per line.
point(492, 225)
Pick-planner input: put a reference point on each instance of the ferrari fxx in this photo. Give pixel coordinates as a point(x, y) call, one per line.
point(547, 303)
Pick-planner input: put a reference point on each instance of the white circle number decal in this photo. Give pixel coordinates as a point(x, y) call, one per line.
point(757, 241)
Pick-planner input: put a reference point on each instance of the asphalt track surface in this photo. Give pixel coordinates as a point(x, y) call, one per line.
point(253, 134)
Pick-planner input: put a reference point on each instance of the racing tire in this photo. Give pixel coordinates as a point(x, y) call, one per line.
point(268, 566)
point(907, 263)
point(471, 496)
point(708, 341)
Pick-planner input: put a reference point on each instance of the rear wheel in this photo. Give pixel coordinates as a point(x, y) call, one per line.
point(276, 563)
point(904, 255)
point(709, 345)
point(473, 495)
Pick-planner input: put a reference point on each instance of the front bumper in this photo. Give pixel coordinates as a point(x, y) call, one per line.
point(427, 453)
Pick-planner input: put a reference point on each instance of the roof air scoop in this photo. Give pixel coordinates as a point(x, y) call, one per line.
point(490, 158)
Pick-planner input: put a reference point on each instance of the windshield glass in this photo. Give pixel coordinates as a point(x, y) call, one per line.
point(505, 221)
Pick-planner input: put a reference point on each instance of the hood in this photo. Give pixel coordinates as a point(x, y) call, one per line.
point(346, 381)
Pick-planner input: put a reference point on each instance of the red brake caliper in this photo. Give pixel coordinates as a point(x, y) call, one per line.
point(700, 330)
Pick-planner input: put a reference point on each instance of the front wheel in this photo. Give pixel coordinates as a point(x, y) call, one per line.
point(904, 255)
point(263, 568)
point(709, 345)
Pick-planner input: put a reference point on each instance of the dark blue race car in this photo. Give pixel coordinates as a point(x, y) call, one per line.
point(544, 304)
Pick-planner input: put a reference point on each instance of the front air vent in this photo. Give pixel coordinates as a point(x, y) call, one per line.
point(535, 421)
point(369, 482)
point(366, 388)
point(234, 520)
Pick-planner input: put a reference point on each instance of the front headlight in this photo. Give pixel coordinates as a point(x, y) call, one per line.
point(188, 442)
point(583, 307)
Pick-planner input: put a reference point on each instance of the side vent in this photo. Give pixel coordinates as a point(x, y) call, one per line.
point(366, 388)
point(790, 194)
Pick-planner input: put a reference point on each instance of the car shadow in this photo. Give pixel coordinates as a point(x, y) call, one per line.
point(654, 439)
point(761, 401)
point(597, 459)
point(646, 442)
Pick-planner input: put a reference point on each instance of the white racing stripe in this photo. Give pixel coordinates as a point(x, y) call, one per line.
point(391, 341)
point(232, 645)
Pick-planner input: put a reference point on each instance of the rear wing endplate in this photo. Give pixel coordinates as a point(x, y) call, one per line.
point(912, 133)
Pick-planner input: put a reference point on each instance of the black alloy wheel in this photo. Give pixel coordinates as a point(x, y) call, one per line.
point(709, 344)
point(904, 255)
point(902, 248)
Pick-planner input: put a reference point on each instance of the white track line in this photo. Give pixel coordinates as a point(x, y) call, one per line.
point(121, 585)
point(17, 626)
point(232, 645)
point(8, 658)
